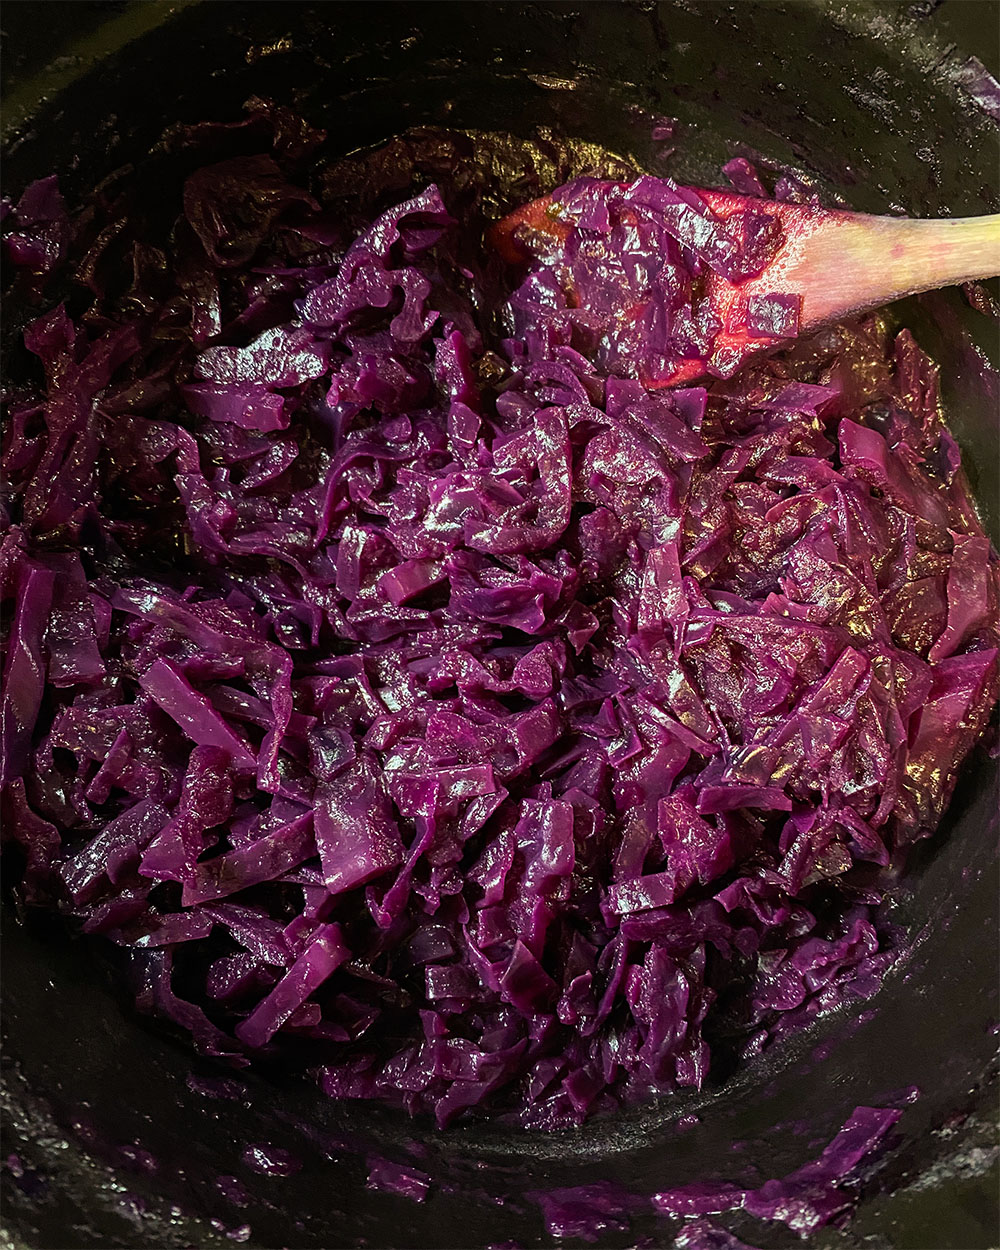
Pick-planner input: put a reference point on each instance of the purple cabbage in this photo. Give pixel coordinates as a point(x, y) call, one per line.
point(398, 1178)
point(806, 1199)
point(622, 270)
point(407, 694)
point(582, 1213)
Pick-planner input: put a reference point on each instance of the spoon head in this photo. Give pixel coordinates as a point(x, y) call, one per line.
point(676, 283)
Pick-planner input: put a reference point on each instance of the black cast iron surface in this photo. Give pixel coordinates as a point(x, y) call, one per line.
point(865, 98)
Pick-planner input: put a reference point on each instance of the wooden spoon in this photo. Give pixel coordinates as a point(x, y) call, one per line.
point(836, 262)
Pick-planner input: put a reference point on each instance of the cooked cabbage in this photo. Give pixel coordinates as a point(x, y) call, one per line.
point(408, 691)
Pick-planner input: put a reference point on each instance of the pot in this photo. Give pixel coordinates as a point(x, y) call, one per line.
point(114, 1136)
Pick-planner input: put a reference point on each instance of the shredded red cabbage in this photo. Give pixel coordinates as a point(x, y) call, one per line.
point(622, 268)
point(397, 1178)
point(410, 696)
point(807, 1198)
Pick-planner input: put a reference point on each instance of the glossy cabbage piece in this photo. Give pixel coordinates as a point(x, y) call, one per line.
point(406, 693)
point(805, 1199)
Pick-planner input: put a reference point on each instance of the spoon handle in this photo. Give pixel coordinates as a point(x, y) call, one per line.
point(855, 262)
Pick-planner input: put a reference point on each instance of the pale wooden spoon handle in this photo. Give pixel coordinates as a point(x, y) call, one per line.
point(855, 262)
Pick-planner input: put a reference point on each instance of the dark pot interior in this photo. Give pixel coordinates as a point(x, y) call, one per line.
point(863, 99)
